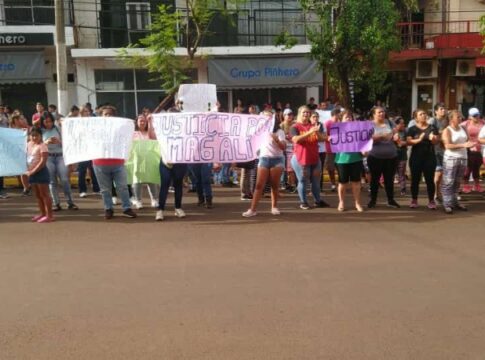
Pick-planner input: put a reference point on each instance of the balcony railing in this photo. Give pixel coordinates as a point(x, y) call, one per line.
point(242, 28)
point(420, 35)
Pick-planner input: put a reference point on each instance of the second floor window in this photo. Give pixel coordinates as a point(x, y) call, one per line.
point(137, 20)
point(30, 12)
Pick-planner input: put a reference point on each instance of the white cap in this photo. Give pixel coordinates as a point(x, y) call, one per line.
point(287, 111)
point(473, 111)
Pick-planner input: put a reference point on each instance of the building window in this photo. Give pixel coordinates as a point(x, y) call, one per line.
point(128, 90)
point(138, 20)
point(32, 12)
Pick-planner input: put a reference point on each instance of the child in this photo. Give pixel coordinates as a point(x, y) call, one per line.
point(37, 154)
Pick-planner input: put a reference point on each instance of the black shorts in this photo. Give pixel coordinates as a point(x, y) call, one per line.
point(40, 177)
point(349, 172)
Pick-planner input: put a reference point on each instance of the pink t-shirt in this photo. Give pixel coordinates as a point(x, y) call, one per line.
point(473, 130)
point(34, 154)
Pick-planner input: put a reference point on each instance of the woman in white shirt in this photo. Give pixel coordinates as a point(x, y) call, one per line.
point(271, 165)
point(456, 142)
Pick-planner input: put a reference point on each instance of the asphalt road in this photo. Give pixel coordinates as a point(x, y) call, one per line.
point(318, 284)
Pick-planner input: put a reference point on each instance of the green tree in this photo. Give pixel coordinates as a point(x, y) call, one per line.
point(482, 31)
point(351, 41)
point(170, 26)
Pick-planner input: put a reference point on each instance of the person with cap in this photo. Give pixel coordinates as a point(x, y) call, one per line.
point(473, 126)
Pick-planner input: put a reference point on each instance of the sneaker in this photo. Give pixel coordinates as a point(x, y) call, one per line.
point(83, 195)
point(138, 204)
point(171, 189)
point(392, 203)
point(403, 192)
point(432, 205)
point(275, 211)
point(179, 213)
point(466, 189)
point(458, 197)
point(249, 213)
point(27, 192)
point(56, 207)
point(321, 204)
point(45, 219)
point(333, 188)
point(460, 207)
point(108, 214)
point(448, 210)
point(129, 213)
point(3, 195)
point(115, 200)
point(72, 207)
point(305, 206)
point(159, 215)
point(477, 188)
point(245, 198)
point(208, 204)
point(154, 203)
point(371, 204)
point(414, 204)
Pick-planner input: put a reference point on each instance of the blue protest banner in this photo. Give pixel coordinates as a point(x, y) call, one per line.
point(13, 152)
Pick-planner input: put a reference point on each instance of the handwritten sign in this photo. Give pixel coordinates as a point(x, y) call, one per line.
point(13, 152)
point(198, 97)
point(143, 165)
point(353, 136)
point(89, 138)
point(210, 137)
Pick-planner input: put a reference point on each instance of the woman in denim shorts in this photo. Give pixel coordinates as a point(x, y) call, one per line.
point(271, 165)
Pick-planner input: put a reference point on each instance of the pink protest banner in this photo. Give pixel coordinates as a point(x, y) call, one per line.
point(210, 137)
point(352, 136)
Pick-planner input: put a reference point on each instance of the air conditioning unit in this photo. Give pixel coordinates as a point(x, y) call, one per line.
point(426, 69)
point(465, 67)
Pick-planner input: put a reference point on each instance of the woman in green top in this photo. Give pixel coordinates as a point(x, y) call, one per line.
point(349, 168)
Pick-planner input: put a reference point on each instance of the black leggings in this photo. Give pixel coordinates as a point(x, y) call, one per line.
point(422, 165)
point(386, 168)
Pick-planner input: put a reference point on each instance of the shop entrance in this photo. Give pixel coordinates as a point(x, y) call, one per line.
point(23, 97)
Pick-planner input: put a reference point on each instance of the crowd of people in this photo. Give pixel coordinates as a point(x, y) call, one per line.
point(445, 149)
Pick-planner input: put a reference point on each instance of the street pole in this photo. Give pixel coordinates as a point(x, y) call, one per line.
point(61, 59)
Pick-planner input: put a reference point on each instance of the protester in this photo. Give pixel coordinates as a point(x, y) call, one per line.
point(52, 137)
point(144, 131)
point(402, 154)
point(440, 121)
point(37, 154)
point(305, 161)
point(112, 170)
point(422, 137)
point(473, 126)
point(290, 179)
point(271, 164)
point(84, 166)
point(248, 171)
point(40, 109)
point(382, 158)
point(349, 168)
point(330, 156)
point(456, 143)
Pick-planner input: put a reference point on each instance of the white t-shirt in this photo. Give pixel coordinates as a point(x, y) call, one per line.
point(270, 148)
point(481, 135)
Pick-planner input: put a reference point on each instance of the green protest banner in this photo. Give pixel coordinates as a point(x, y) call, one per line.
point(143, 165)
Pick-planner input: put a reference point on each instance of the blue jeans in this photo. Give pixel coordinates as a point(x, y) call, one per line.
point(106, 175)
point(225, 173)
point(303, 174)
point(82, 168)
point(202, 176)
point(57, 168)
point(171, 175)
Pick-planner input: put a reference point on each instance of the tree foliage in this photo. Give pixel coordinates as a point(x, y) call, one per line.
point(351, 41)
point(170, 28)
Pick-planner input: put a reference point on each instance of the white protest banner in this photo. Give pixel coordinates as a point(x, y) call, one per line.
point(88, 138)
point(13, 152)
point(324, 115)
point(210, 137)
point(198, 97)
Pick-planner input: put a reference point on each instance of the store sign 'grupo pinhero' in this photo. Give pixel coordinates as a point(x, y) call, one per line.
point(263, 72)
point(26, 39)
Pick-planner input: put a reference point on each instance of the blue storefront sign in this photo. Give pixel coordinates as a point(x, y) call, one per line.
point(21, 67)
point(264, 72)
